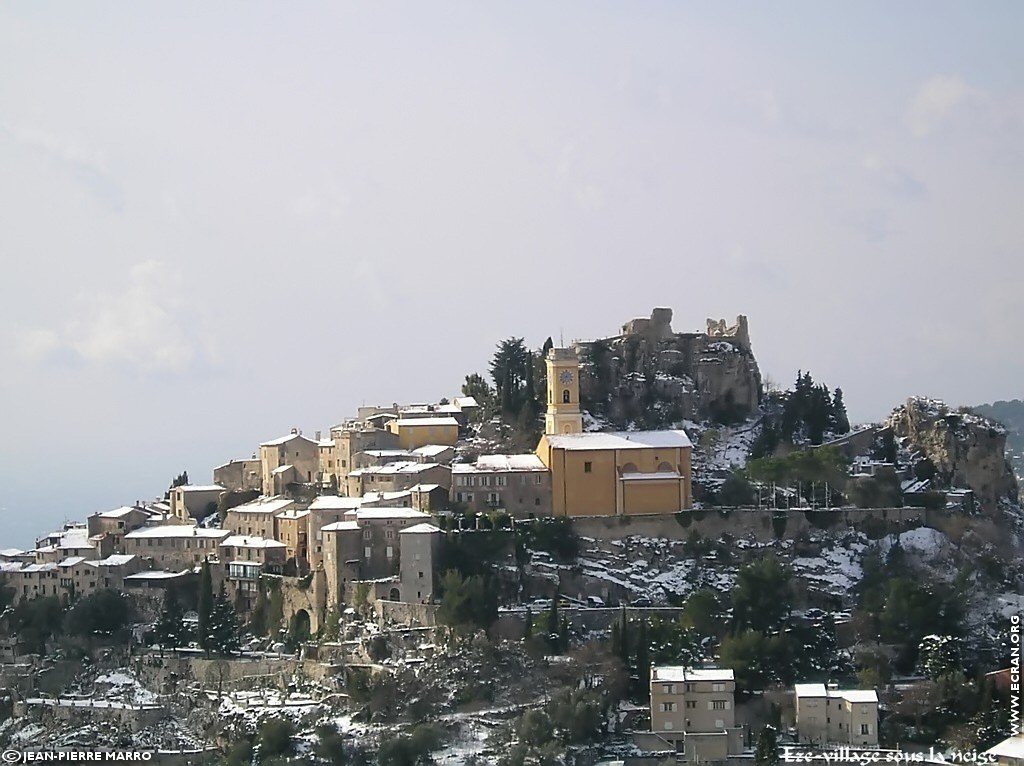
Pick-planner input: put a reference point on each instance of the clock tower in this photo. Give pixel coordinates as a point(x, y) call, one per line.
point(563, 415)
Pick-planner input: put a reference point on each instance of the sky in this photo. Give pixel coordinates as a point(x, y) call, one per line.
point(222, 220)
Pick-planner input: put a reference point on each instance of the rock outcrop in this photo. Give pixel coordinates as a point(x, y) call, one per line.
point(966, 449)
point(651, 376)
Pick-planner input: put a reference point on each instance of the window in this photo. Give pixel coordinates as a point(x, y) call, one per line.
point(536, 501)
point(691, 704)
point(689, 687)
point(668, 688)
point(389, 552)
point(366, 552)
point(587, 466)
point(719, 723)
point(719, 705)
point(421, 575)
point(668, 707)
point(565, 396)
point(718, 687)
point(865, 728)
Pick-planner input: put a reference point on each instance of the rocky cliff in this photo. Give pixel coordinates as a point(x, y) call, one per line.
point(653, 377)
point(966, 449)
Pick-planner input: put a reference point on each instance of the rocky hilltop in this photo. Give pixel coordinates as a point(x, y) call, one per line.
point(966, 449)
point(650, 376)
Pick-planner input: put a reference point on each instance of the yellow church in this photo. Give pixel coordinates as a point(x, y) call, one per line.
point(607, 473)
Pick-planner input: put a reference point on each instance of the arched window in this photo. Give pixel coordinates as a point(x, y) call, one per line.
point(630, 468)
point(665, 468)
point(565, 396)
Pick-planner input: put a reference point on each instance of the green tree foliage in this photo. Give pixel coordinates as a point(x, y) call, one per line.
point(555, 536)
point(762, 598)
point(767, 753)
point(939, 656)
point(535, 728)
point(807, 413)
point(35, 621)
point(333, 749)
point(703, 612)
point(170, 630)
point(410, 749)
point(736, 490)
point(275, 736)
point(467, 603)
point(512, 371)
point(223, 635)
point(205, 606)
point(101, 613)
point(477, 386)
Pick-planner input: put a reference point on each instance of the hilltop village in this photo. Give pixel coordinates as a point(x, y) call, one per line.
point(621, 550)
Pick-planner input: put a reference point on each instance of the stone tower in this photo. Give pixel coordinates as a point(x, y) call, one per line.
point(563, 415)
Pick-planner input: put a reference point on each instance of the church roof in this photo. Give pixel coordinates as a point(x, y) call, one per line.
point(620, 440)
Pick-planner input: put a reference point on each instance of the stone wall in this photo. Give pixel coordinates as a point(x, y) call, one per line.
point(763, 524)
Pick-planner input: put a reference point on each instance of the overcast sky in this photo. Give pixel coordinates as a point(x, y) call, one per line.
point(221, 220)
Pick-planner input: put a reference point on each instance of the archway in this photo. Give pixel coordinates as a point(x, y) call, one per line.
point(394, 595)
point(565, 396)
point(299, 629)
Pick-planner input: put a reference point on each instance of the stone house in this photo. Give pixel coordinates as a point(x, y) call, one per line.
point(353, 438)
point(240, 475)
point(175, 547)
point(395, 477)
point(420, 547)
point(419, 431)
point(695, 709)
point(192, 502)
point(258, 517)
point(324, 510)
point(293, 531)
point(828, 715)
point(243, 558)
point(519, 485)
point(289, 459)
point(116, 523)
point(380, 529)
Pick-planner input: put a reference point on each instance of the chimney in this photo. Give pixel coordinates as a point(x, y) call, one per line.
point(318, 435)
point(295, 430)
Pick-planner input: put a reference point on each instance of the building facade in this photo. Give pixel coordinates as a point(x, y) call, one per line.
point(695, 710)
point(519, 485)
point(828, 715)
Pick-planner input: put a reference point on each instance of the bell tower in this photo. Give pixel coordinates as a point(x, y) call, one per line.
point(563, 414)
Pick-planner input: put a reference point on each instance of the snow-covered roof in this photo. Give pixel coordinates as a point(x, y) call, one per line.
point(462, 402)
point(293, 513)
point(681, 673)
point(281, 469)
point(264, 505)
point(75, 538)
point(10, 566)
point(1011, 747)
point(201, 488)
point(335, 503)
point(10, 552)
point(247, 541)
point(620, 440)
point(850, 695)
point(71, 561)
point(383, 497)
point(285, 439)
point(490, 463)
point(431, 450)
point(420, 529)
point(155, 574)
point(387, 513)
point(424, 487)
point(393, 468)
point(115, 560)
point(117, 513)
point(31, 568)
point(177, 530)
point(415, 409)
point(340, 526)
point(426, 422)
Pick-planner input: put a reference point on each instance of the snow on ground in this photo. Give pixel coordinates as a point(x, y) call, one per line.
point(923, 541)
point(837, 569)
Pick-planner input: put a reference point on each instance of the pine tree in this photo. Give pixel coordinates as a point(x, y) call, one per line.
point(553, 623)
point(767, 753)
point(623, 638)
point(643, 660)
point(528, 628)
point(616, 639)
point(840, 420)
point(205, 606)
point(563, 635)
point(223, 632)
point(169, 630)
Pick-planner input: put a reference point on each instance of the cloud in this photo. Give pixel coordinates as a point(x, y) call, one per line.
point(935, 102)
point(891, 178)
point(86, 166)
point(138, 327)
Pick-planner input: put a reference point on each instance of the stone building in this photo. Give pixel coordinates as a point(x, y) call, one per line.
point(326, 509)
point(353, 438)
point(420, 547)
point(258, 517)
point(174, 548)
point(288, 460)
point(395, 477)
point(342, 543)
point(419, 431)
point(608, 474)
point(695, 710)
point(192, 502)
point(828, 715)
point(293, 531)
point(519, 485)
point(240, 475)
point(380, 541)
point(116, 523)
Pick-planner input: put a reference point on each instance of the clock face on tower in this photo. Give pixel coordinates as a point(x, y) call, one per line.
point(565, 377)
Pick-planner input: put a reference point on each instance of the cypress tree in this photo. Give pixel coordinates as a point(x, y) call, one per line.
point(170, 625)
point(643, 660)
point(528, 629)
point(205, 606)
